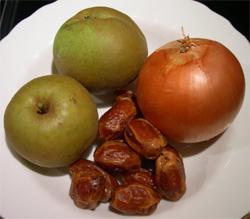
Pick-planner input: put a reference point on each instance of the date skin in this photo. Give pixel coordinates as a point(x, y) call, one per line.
point(87, 189)
point(144, 138)
point(170, 176)
point(87, 172)
point(114, 155)
point(113, 122)
point(135, 199)
point(142, 175)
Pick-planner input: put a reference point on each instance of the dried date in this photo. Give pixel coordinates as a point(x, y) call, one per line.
point(142, 175)
point(113, 122)
point(87, 189)
point(127, 139)
point(114, 155)
point(170, 176)
point(135, 199)
point(144, 138)
point(84, 172)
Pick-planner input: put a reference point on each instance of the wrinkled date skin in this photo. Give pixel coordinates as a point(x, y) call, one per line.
point(135, 199)
point(142, 175)
point(120, 95)
point(114, 155)
point(170, 176)
point(90, 184)
point(87, 189)
point(113, 122)
point(144, 138)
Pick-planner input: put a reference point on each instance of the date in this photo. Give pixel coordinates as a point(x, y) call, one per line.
point(113, 122)
point(142, 175)
point(128, 140)
point(144, 138)
point(135, 199)
point(87, 189)
point(86, 172)
point(114, 155)
point(170, 176)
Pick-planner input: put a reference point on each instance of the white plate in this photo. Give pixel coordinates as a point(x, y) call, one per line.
point(217, 172)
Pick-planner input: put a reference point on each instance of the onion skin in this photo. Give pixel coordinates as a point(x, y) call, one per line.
point(191, 96)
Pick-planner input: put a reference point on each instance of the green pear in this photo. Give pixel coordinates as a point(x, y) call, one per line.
point(101, 47)
point(51, 121)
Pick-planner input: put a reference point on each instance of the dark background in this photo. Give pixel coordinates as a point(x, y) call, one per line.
point(13, 11)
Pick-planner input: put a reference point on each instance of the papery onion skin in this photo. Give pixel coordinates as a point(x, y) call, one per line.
point(191, 96)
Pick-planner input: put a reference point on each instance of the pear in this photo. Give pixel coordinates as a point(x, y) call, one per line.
point(51, 121)
point(100, 47)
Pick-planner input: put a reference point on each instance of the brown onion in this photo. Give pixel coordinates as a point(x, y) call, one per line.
point(191, 89)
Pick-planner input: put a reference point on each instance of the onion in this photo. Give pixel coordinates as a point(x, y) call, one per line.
point(191, 89)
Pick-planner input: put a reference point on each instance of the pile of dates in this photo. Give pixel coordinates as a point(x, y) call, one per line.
point(129, 142)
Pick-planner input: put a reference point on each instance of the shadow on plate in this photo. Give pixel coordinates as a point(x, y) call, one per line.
point(54, 70)
point(60, 171)
point(106, 100)
point(91, 149)
point(191, 149)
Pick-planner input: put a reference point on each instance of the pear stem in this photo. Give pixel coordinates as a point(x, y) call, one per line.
point(41, 108)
